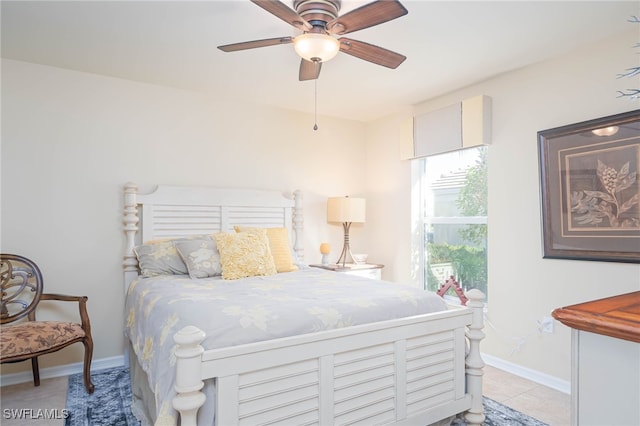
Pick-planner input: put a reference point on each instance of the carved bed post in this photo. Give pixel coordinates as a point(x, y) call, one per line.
point(130, 263)
point(474, 363)
point(298, 224)
point(188, 374)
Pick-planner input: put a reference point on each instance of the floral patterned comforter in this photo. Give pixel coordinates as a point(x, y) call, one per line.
point(235, 312)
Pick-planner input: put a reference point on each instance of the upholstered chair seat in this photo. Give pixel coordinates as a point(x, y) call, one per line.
point(32, 337)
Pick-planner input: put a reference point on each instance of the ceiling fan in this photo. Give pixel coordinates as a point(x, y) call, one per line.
point(320, 22)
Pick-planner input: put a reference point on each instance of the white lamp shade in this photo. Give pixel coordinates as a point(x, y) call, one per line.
point(346, 209)
point(316, 47)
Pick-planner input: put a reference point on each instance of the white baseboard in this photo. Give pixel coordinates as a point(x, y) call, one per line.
point(61, 370)
point(547, 380)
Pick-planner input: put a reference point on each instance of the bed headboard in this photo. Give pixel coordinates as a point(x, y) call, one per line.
point(176, 211)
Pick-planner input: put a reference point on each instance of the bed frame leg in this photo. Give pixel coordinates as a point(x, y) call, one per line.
point(188, 376)
point(474, 363)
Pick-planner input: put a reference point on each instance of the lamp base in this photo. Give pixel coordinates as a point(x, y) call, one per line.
point(346, 248)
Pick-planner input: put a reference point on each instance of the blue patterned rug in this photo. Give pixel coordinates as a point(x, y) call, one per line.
point(500, 415)
point(110, 404)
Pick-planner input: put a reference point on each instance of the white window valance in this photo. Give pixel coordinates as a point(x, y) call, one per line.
point(462, 125)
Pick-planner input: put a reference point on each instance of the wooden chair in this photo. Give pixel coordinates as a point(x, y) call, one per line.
point(22, 287)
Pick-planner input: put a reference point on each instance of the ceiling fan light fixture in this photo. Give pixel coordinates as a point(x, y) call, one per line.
point(316, 47)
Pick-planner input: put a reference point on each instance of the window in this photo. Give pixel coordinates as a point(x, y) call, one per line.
point(453, 218)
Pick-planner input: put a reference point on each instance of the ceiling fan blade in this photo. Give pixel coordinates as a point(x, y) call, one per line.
point(367, 16)
point(255, 43)
point(282, 11)
point(309, 70)
point(371, 53)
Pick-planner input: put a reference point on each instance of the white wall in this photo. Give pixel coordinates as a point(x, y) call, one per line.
point(523, 287)
point(71, 140)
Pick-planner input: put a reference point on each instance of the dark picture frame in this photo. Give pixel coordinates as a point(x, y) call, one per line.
point(590, 189)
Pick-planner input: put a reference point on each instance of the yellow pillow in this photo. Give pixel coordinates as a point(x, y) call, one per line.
point(279, 245)
point(244, 255)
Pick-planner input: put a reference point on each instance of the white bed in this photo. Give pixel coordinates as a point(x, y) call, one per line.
point(403, 356)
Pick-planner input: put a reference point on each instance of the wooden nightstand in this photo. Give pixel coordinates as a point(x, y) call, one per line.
point(368, 270)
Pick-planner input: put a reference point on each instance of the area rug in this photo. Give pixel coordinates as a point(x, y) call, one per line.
point(497, 414)
point(110, 403)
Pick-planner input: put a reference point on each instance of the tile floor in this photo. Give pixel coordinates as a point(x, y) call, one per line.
point(545, 404)
point(50, 395)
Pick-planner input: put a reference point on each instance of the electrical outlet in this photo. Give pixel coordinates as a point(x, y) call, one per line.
point(546, 325)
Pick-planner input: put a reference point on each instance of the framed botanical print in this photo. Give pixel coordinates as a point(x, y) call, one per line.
point(590, 189)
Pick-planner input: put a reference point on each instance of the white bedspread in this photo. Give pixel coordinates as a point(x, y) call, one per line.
point(252, 310)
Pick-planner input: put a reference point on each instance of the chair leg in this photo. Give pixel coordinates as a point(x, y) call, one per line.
point(36, 371)
point(88, 355)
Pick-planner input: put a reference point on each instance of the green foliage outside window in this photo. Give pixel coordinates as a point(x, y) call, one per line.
point(469, 264)
point(468, 261)
point(472, 199)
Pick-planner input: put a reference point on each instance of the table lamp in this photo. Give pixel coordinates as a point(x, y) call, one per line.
point(345, 210)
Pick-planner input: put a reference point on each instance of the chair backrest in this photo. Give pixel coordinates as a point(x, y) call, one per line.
point(21, 283)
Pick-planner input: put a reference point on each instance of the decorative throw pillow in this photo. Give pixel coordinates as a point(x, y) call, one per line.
point(278, 244)
point(244, 255)
point(201, 257)
point(160, 257)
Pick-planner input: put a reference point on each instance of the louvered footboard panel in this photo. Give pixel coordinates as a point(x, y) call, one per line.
point(364, 383)
point(285, 395)
point(374, 385)
point(431, 375)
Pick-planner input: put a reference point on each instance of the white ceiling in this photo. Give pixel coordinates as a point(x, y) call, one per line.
point(448, 44)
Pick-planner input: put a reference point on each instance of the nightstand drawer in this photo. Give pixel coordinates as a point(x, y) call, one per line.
point(376, 274)
point(368, 270)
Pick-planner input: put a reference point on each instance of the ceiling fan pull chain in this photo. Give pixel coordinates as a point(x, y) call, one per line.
point(315, 105)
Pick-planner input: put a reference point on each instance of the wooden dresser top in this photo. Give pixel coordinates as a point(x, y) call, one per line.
point(617, 316)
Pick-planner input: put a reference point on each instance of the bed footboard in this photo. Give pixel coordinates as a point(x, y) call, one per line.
point(416, 370)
